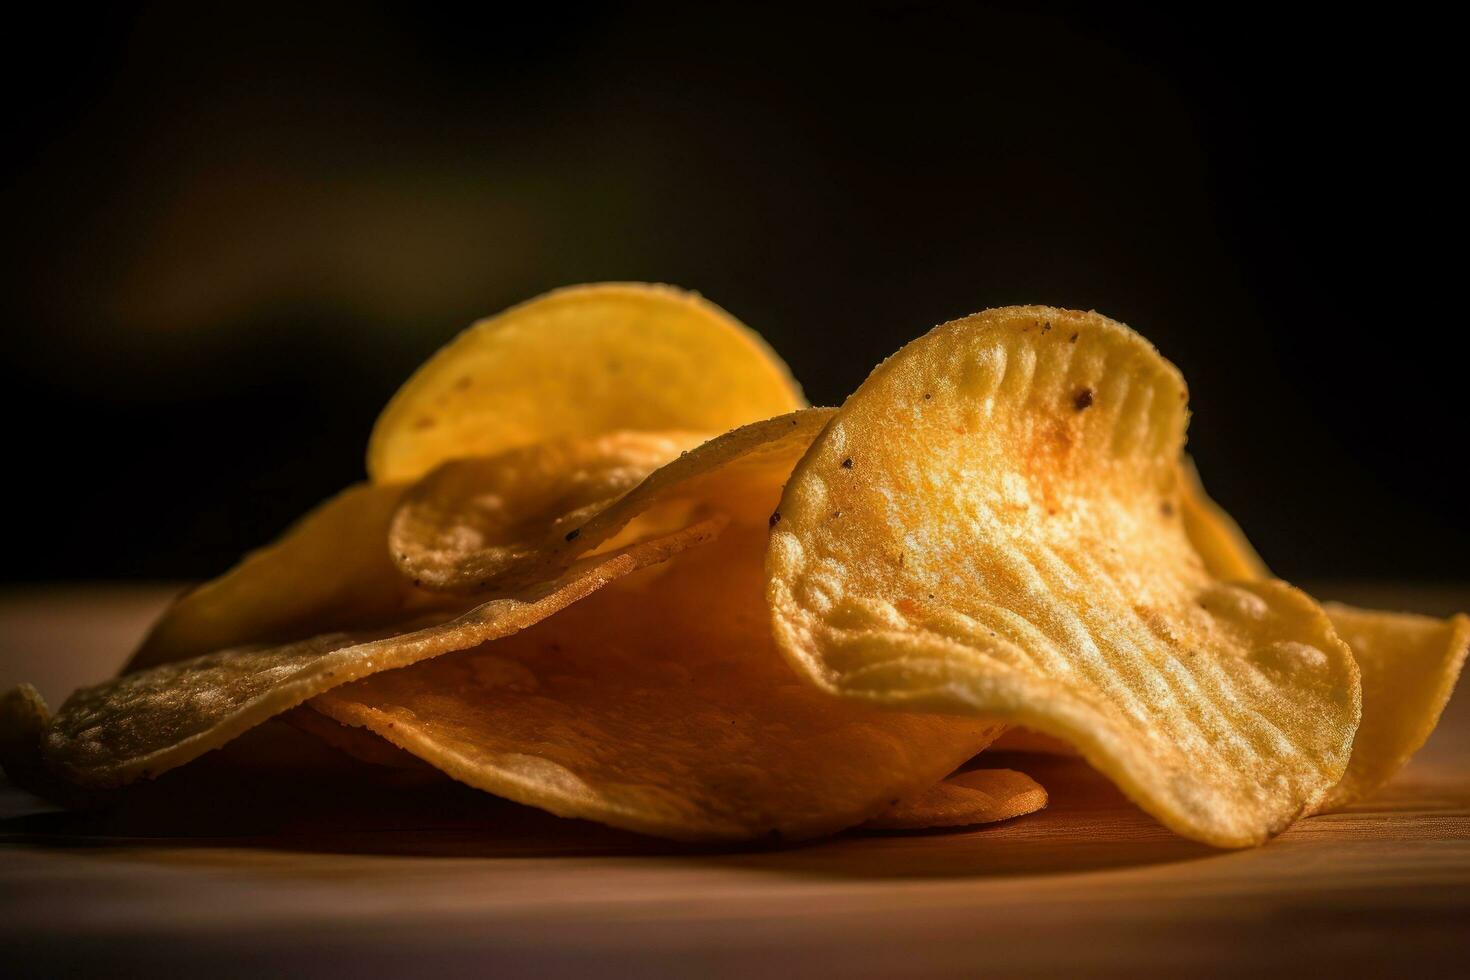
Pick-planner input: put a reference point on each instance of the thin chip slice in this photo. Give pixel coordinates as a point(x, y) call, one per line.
point(661, 706)
point(466, 522)
point(1213, 532)
point(730, 475)
point(330, 571)
point(355, 743)
point(145, 723)
point(1409, 664)
point(579, 362)
point(990, 525)
point(965, 799)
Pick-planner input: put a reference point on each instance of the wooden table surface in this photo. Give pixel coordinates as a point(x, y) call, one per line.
point(227, 870)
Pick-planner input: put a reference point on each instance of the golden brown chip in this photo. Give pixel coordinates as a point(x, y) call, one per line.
point(737, 475)
point(990, 525)
point(467, 521)
point(661, 706)
point(1214, 533)
point(1409, 664)
point(579, 362)
point(967, 798)
point(145, 723)
point(330, 571)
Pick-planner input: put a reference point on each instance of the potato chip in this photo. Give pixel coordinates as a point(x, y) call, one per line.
point(1213, 532)
point(330, 571)
point(1409, 664)
point(579, 362)
point(469, 520)
point(990, 525)
point(731, 475)
point(145, 723)
point(965, 799)
point(662, 707)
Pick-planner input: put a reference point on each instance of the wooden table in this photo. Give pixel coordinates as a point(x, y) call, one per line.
point(227, 872)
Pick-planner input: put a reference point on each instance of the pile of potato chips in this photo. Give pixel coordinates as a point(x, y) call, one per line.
point(610, 564)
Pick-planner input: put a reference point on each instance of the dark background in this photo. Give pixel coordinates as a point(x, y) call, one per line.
point(228, 236)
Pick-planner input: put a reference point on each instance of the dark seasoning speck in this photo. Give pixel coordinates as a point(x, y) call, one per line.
point(1083, 399)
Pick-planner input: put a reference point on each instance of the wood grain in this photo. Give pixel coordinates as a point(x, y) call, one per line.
point(306, 865)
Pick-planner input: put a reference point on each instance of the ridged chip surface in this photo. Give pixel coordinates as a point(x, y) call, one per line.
point(991, 525)
point(1409, 664)
point(579, 362)
point(662, 706)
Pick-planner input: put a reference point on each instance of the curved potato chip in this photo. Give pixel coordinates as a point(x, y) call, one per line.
point(575, 362)
point(1409, 664)
point(664, 708)
point(468, 520)
point(142, 724)
point(330, 571)
point(965, 799)
point(1213, 532)
point(729, 475)
point(990, 525)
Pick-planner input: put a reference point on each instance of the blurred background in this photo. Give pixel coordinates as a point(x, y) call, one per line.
point(228, 236)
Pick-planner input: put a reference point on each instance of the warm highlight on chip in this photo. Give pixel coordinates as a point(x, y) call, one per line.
point(611, 566)
point(990, 526)
point(576, 362)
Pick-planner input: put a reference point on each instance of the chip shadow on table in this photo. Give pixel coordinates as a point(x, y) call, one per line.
point(319, 803)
